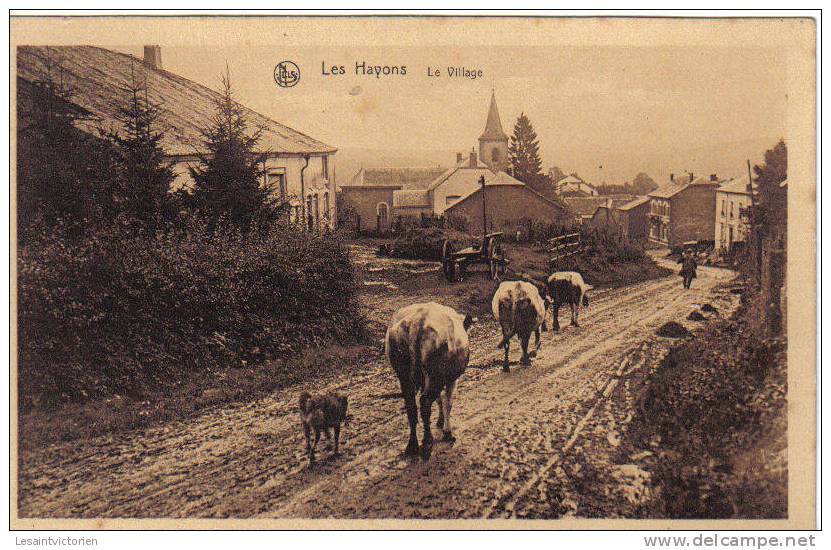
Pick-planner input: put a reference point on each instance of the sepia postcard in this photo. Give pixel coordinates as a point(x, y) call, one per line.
point(413, 272)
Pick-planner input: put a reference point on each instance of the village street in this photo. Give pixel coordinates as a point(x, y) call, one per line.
point(514, 430)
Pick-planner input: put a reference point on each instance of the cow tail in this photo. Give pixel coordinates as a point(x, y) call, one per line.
point(506, 313)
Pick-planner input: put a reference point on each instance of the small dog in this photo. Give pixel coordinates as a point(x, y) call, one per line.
point(322, 413)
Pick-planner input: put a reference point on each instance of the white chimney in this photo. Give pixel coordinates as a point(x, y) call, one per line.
point(153, 57)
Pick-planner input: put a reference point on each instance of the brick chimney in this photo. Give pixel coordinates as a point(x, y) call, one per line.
point(691, 177)
point(713, 177)
point(153, 57)
point(473, 162)
point(672, 177)
point(459, 158)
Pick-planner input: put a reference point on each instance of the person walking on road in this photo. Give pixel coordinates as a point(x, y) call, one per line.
point(688, 268)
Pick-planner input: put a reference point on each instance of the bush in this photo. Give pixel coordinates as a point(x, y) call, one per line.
point(114, 310)
point(427, 243)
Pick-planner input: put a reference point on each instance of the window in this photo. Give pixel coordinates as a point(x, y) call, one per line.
point(731, 209)
point(324, 161)
point(383, 211)
point(451, 199)
point(495, 154)
point(723, 207)
point(276, 184)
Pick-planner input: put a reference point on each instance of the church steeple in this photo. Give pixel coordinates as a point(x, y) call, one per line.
point(493, 127)
point(493, 143)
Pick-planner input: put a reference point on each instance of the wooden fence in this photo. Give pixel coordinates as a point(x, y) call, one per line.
point(563, 247)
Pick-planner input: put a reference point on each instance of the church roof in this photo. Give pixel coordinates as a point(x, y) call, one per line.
point(493, 127)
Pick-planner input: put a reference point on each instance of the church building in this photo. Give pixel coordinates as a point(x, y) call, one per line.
point(456, 191)
point(493, 143)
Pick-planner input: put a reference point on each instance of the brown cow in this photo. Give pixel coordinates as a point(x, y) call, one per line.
point(520, 310)
point(567, 287)
point(427, 347)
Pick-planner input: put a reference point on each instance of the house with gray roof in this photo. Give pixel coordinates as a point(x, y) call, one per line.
point(299, 168)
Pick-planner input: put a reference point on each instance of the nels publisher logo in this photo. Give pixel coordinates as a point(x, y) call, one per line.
point(286, 74)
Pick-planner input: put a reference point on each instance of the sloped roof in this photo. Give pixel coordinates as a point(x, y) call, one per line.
point(675, 187)
point(634, 203)
point(493, 126)
point(358, 178)
point(100, 80)
point(502, 178)
point(507, 181)
point(585, 206)
point(569, 179)
point(735, 185)
point(410, 199)
point(462, 170)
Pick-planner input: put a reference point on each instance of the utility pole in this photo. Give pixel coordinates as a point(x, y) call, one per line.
point(484, 208)
point(303, 192)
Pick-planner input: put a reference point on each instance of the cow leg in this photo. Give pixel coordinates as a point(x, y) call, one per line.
point(524, 339)
point(426, 404)
point(440, 420)
point(574, 315)
point(337, 439)
point(412, 417)
point(537, 341)
point(505, 364)
point(555, 322)
point(447, 404)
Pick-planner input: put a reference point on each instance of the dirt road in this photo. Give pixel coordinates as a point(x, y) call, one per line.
point(514, 432)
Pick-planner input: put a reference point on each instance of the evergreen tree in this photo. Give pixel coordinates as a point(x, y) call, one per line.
point(227, 181)
point(524, 153)
point(768, 177)
point(144, 174)
point(63, 174)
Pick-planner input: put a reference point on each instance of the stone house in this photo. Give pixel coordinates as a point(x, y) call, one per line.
point(630, 219)
point(510, 204)
point(732, 203)
point(683, 210)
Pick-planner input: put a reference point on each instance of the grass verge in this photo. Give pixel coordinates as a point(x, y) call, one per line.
point(715, 416)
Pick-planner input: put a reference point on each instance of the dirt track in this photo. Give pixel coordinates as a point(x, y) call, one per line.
point(513, 431)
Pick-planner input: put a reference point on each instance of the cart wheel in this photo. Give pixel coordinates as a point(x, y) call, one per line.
point(448, 263)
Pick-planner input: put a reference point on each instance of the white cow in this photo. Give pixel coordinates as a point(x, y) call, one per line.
point(427, 346)
point(520, 310)
point(567, 287)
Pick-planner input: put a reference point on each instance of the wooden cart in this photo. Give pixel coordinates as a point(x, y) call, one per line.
point(454, 263)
